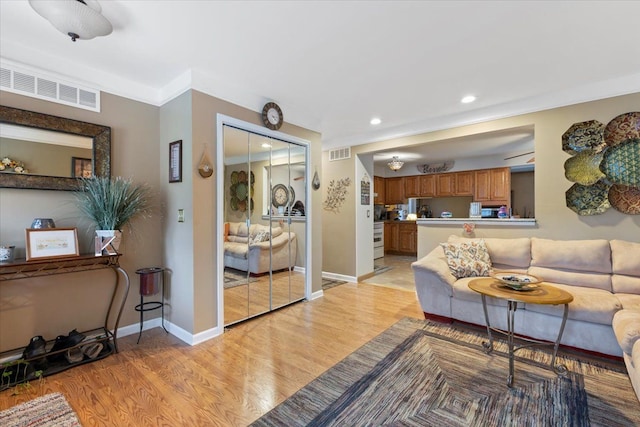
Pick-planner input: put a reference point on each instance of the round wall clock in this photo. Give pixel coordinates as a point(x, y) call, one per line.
point(279, 195)
point(272, 116)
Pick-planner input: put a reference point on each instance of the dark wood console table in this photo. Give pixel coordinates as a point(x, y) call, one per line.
point(16, 372)
point(22, 269)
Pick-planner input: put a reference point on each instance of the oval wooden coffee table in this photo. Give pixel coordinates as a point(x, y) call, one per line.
point(540, 293)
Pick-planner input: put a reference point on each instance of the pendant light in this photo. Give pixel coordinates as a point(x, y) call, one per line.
point(395, 164)
point(79, 19)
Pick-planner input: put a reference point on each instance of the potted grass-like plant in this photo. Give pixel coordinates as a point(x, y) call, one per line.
point(111, 203)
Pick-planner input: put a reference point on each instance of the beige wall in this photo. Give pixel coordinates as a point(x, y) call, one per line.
point(554, 219)
point(140, 137)
point(55, 305)
point(339, 229)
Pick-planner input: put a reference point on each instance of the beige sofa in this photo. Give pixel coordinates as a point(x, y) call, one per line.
point(603, 277)
point(259, 249)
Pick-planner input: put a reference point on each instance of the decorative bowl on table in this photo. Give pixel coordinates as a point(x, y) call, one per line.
point(517, 281)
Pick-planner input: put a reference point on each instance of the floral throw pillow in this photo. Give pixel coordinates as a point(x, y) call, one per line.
point(467, 259)
point(261, 236)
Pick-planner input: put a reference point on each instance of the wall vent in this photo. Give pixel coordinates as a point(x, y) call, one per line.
point(340, 154)
point(37, 84)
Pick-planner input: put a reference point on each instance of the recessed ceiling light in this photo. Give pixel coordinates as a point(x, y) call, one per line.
point(467, 99)
point(375, 121)
point(266, 145)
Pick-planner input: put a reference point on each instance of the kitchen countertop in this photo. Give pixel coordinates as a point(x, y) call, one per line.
point(507, 222)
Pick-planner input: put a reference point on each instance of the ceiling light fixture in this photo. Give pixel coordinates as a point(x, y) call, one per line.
point(395, 164)
point(375, 121)
point(79, 19)
point(468, 99)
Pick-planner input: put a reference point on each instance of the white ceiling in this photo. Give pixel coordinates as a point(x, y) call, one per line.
point(333, 65)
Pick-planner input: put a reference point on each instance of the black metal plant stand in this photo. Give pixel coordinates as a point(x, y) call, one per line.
point(150, 279)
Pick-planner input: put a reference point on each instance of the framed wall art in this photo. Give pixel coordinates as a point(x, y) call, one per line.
point(51, 243)
point(175, 161)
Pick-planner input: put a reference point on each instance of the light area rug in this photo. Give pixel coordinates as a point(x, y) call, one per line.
point(233, 278)
point(418, 373)
point(331, 283)
point(51, 410)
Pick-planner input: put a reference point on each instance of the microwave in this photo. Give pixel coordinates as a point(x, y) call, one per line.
point(489, 212)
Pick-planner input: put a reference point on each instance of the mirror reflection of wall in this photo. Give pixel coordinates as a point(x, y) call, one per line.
point(44, 152)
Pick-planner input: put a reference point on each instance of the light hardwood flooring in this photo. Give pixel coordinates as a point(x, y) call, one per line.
point(232, 379)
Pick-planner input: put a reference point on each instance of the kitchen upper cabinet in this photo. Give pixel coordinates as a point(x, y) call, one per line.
point(394, 191)
point(493, 186)
point(464, 183)
point(412, 186)
point(427, 185)
point(445, 184)
point(379, 190)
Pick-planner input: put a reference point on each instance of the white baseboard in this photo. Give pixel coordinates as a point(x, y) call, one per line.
point(335, 276)
point(174, 330)
point(316, 295)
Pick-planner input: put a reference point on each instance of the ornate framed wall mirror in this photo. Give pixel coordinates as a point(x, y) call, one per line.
point(56, 151)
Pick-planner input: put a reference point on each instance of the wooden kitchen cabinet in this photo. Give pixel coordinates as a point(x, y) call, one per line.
point(379, 190)
point(412, 186)
point(394, 191)
point(390, 237)
point(445, 184)
point(401, 237)
point(493, 187)
point(408, 237)
point(464, 183)
point(428, 185)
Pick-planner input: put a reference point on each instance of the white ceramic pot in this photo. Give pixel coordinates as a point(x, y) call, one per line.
point(107, 242)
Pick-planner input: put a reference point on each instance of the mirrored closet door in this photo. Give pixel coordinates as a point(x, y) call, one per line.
point(265, 223)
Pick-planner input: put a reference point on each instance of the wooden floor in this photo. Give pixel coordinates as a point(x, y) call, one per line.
point(230, 380)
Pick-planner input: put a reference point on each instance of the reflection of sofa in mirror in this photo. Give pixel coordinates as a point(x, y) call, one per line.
point(258, 248)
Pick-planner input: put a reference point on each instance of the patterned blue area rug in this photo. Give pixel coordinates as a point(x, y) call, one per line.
point(422, 374)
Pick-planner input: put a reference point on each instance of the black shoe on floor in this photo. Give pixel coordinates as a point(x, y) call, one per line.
point(63, 342)
point(34, 353)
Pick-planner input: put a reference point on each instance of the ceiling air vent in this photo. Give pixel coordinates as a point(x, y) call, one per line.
point(37, 84)
point(340, 154)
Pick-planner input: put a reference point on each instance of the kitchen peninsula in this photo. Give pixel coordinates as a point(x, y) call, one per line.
point(433, 231)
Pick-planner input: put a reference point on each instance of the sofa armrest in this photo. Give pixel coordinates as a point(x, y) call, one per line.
point(434, 267)
point(434, 283)
point(276, 242)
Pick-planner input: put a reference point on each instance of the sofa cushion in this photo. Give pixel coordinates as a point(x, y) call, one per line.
point(462, 291)
point(467, 259)
point(504, 253)
point(576, 255)
point(625, 257)
point(589, 305)
point(573, 278)
point(629, 301)
point(236, 250)
point(625, 284)
point(626, 326)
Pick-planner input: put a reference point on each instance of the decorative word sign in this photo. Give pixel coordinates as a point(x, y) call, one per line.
point(435, 167)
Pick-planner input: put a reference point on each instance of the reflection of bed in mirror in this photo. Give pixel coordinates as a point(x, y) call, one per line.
point(47, 145)
point(259, 249)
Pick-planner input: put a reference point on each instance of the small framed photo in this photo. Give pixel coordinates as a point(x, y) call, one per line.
point(81, 168)
point(175, 161)
point(51, 243)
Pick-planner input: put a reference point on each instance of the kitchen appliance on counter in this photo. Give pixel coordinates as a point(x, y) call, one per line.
point(379, 213)
point(489, 212)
